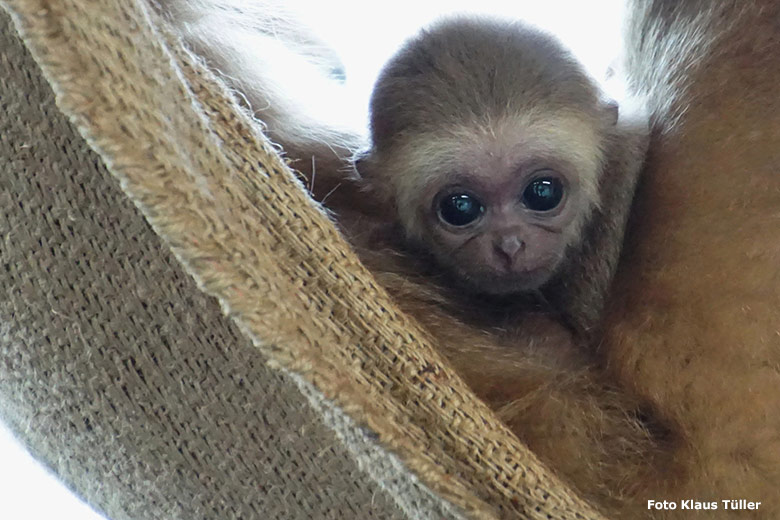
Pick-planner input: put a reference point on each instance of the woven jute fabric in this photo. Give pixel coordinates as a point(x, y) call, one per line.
point(128, 381)
point(131, 381)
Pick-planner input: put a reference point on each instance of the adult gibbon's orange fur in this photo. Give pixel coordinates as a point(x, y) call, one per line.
point(694, 321)
point(691, 329)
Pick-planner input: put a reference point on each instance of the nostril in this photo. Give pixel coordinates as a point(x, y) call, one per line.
point(511, 245)
point(506, 250)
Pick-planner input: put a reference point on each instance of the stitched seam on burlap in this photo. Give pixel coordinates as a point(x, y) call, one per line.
point(409, 494)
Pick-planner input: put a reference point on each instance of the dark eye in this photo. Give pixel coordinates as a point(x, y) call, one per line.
point(543, 194)
point(460, 209)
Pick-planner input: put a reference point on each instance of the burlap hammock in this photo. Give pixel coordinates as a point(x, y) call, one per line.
point(184, 334)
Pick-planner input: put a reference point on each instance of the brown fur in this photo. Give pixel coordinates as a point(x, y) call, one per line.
point(518, 354)
point(694, 322)
point(542, 383)
point(691, 329)
point(465, 106)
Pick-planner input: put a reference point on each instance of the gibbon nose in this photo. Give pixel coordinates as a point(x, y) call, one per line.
point(507, 248)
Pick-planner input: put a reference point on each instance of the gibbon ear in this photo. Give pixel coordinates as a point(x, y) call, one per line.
point(611, 111)
point(363, 163)
point(369, 175)
point(359, 162)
